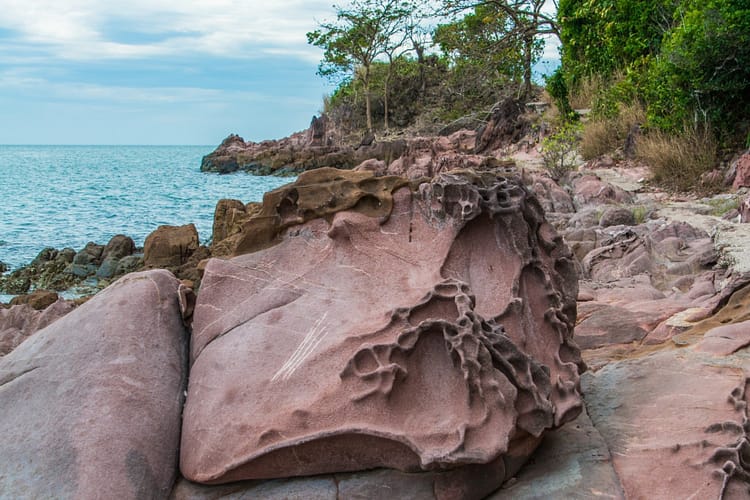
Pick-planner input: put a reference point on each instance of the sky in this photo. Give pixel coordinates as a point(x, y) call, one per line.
point(157, 71)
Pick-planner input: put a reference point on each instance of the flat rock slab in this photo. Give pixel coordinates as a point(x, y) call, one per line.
point(673, 421)
point(436, 338)
point(91, 404)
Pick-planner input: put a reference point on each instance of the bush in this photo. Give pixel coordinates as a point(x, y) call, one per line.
point(679, 160)
point(559, 150)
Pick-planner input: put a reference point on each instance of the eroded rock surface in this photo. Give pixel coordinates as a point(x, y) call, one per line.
point(91, 404)
point(433, 336)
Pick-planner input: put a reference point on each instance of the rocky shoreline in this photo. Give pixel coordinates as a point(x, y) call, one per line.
point(429, 320)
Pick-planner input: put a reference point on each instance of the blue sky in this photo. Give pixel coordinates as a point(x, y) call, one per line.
point(157, 71)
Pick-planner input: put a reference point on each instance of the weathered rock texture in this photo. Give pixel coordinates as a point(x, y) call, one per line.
point(669, 438)
point(433, 336)
point(91, 404)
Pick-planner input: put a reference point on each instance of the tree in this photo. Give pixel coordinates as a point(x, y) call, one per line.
point(362, 32)
point(484, 56)
point(526, 22)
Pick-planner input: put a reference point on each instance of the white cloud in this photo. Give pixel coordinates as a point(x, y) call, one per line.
point(89, 29)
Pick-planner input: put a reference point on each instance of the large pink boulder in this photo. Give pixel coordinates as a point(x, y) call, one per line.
point(91, 404)
point(437, 337)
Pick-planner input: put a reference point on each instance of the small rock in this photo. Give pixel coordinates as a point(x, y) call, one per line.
point(617, 216)
point(741, 167)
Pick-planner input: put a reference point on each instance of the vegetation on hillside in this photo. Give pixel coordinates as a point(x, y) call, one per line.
point(669, 73)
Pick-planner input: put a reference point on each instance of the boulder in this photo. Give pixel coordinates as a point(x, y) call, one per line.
point(588, 189)
point(617, 216)
point(433, 334)
point(91, 403)
point(170, 246)
point(21, 321)
point(119, 246)
point(39, 299)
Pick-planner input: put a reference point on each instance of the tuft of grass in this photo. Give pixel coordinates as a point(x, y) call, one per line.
point(679, 160)
point(640, 213)
point(607, 135)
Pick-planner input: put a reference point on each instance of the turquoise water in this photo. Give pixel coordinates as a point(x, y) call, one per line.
point(66, 196)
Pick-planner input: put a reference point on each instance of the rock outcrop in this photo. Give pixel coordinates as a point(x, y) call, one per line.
point(19, 322)
point(60, 270)
point(91, 403)
point(426, 328)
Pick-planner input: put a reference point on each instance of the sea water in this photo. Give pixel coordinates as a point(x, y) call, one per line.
point(66, 196)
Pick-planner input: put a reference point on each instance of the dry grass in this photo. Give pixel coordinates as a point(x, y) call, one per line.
point(584, 95)
point(679, 161)
point(605, 136)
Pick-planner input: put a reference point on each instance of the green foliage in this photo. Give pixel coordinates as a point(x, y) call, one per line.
point(686, 61)
point(703, 71)
point(559, 150)
point(602, 36)
point(558, 90)
point(361, 33)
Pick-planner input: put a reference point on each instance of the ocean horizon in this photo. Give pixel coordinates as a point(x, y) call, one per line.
point(66, 195)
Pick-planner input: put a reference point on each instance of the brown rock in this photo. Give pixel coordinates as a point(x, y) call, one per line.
point(436, 338)
point(91, 404)
point(170, 246)
point(39, 299)
point(118, 247)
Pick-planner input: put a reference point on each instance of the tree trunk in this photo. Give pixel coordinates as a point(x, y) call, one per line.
point(385, 99)
point(528, 50)
point(368, 105)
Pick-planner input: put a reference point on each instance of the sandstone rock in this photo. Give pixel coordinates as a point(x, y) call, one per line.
point(745, 210)
point(39, 299)
point(741, 168)
point(170, 246)
point(617, 216)
point(604, 325)
point(726, 339)
point(118, 247)
point(228, 218)
point(91, 404)
point(433, 336)
point(589, 189)
point(552, 197)
point(673, 422)
point(21, 321)
point(317, 193)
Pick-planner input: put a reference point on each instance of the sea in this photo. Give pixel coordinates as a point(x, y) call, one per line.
point(67, 196)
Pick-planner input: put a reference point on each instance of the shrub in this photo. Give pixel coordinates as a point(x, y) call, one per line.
point(559, 150)
point(679, 160)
